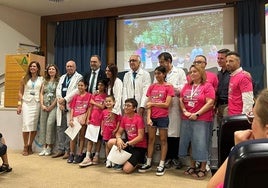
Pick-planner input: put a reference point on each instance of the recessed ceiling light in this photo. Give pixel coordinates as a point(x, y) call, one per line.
point(56, 1)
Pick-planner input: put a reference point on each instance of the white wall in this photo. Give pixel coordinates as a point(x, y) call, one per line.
point(17, 27)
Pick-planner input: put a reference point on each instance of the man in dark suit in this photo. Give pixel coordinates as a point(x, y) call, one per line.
point(95, 73)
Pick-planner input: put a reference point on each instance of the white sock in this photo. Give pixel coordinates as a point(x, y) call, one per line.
point(88, 154)
point(149, 161)
point(162, 163)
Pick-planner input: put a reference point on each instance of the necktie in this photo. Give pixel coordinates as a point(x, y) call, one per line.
point(92, 82)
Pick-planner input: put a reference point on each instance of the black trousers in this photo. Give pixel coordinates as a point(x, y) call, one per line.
point(173, 147)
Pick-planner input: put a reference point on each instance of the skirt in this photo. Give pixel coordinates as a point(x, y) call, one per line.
point(30, 115)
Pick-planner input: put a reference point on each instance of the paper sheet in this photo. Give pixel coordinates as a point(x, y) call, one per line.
point(92, 132)
point(73, 131)
point(118, 157)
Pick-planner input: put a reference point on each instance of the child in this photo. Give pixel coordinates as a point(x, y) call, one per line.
point(109, 124)
point(97, 106)
point(80, 109)
point(132, 124)
point(159, 98)
point(3, 155)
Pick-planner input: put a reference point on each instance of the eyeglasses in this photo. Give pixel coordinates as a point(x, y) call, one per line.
point(198, 62)
point(128, 105)
point(250, 117)
point(132, 60)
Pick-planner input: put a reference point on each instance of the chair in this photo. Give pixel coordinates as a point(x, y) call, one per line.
point(229, 125)
point(247, 165)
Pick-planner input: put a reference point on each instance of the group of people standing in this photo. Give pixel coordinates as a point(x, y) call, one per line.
point(178, 108)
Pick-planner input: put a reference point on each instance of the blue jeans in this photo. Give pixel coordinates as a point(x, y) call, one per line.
point(197, 133)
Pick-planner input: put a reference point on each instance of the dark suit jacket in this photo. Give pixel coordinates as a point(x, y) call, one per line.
point(101, 76)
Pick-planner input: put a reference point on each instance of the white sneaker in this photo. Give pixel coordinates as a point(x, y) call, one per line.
point(42, 153)
point(86, 162)
point(48, 152)
point(108, 164)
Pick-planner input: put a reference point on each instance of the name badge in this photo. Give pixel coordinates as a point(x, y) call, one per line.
point(191, 104)
point(64, 89)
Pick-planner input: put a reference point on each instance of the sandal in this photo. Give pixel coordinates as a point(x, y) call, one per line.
point(200, 174)
point(25, 151)
point(189, 171)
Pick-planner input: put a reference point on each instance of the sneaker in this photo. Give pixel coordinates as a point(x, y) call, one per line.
point(78, 159)
point(95, 160)
point(160, 171)
point(168, 163)
point(118, 167)
point(5, 168)
point(108, 164)
point(42, 153)
point(145, 168)
point(48, 152)
point(177, 163)
point(207, 168)
point(70, 158)
point(86, 162)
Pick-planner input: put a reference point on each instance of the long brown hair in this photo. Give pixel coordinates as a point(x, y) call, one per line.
point(28, 74)
point(114, 70)
point(47, 76)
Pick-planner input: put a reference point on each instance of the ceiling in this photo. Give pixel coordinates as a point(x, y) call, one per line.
point(46, 7)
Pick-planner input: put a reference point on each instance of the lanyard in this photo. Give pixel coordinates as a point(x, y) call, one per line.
point(67, 81)
point(193, 91)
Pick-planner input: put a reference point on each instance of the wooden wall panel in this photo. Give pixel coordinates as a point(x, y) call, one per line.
point(16, 67)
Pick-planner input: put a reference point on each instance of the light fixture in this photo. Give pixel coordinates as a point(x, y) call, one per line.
point(56, 1)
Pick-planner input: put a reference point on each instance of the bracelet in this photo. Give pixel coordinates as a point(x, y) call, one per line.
point(19, 103)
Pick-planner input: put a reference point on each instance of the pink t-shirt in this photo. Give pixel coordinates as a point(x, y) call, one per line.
point(158, 94)
point(239, 83)
point(194, 98)
point(80, 104)
point(132, 125)
point(210, 78)
point(213, 79)
point(108, 126)
point(95, 116)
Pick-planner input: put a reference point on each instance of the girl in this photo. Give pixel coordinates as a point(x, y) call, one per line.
point(109, 126)
point(48, 100)
point(97, 105)
point(80, 109)
point(29, 104)
point(159, 98)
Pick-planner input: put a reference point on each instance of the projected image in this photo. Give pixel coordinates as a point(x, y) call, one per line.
point(184, 35)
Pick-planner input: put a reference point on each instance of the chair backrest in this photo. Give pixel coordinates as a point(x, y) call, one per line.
point(229, 125)
point(248, 165)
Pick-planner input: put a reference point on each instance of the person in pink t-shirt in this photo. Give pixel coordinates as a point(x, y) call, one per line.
point(196, 102)
point(80, 107)
point(159, 98)
point(240, 93)
point(94, 123)
point(109, 126)
point(136, 144)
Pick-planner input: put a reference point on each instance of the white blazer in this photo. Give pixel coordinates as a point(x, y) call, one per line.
point(142, 82)
point(117, 92)
point(71, 91)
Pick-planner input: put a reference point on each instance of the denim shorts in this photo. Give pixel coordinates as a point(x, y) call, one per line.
point(161, 123)
point(197, 133)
